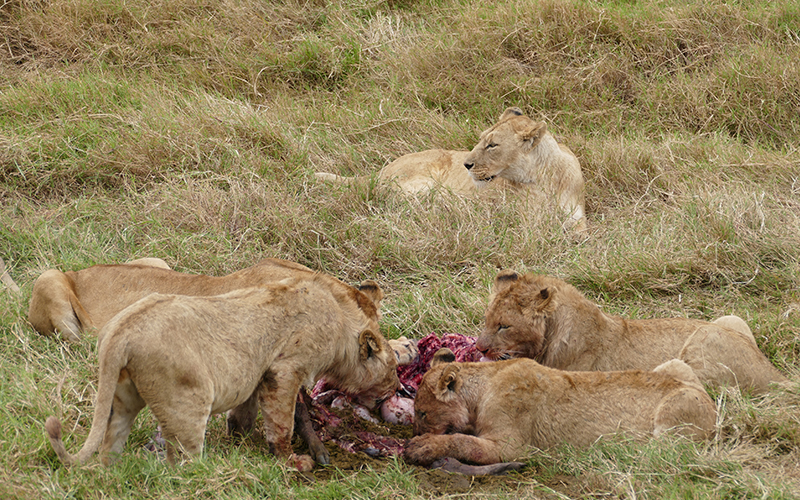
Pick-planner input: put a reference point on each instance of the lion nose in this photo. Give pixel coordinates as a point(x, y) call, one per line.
point(469, 165)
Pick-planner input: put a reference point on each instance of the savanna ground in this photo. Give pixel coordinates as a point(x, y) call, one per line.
point(190, 129)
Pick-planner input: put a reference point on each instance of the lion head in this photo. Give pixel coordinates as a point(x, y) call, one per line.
point(502, 149)
point(439, 407)
point(375, 365)
point(516, 319)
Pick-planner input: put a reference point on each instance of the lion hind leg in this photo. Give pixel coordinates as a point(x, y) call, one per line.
point(127, 404)
point(184, 433)
point(725, 357)
point(183, 415)
point(688, 411)
point(681, 371)
point(737, 324)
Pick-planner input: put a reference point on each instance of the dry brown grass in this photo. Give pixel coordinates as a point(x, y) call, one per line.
point(189, 130)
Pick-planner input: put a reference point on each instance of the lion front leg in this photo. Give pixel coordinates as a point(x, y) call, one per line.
point(303, 427)
point(277, 397)
point(427, 448)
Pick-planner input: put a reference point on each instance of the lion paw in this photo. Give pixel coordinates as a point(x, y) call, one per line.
point(302, 463)
point(421, 450)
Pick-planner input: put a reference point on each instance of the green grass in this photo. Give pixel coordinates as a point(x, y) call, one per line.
point(189, 130)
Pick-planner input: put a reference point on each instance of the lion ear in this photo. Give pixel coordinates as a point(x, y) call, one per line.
point(509, 113)
point(442, 356)
point(544, 299)
point(372, 290)
point(504, 279)
point(449, 383)
point(533, 133)
point(369, 344)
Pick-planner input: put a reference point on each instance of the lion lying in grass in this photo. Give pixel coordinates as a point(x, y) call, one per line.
point(69, 302)
point(548, 320)
point(485, 413)
point(190, 357)
point(516, 154)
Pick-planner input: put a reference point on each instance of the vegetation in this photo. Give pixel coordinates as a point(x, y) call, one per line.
point(190, 129)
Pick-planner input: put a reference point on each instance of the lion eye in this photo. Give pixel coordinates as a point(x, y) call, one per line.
point(491, 145)
point(502, 327)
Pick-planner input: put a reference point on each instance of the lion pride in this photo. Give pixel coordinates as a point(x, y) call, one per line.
point(516, 154)
point(485, 413)
point(190, 357)
point(546, 319)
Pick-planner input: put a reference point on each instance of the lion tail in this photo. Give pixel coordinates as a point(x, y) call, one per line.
point(6, 278)
point(338, 179)
point(112, 363)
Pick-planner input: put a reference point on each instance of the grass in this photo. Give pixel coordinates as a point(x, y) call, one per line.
point(189, 130)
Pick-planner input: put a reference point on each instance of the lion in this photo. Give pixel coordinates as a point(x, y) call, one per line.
point(73, 301)
point(68, 303)
point(190, 357)
point(485, 413)
point(546, 319)
point(516, 154)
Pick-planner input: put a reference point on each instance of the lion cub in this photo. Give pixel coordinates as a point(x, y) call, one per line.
point(492, 412)
point(190, 357)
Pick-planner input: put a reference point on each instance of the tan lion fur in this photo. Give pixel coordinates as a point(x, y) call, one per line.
point(486, 413)
point(190, 357)
point(6, 278)
point(516, 153)
point(546, 319)
point(67, 303)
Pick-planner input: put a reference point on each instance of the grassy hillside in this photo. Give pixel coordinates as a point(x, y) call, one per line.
point(189, 130)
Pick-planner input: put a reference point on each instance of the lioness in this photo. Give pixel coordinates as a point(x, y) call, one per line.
point(486, 413)
point(70, 302)
point(190, 357)
point(546, 319)
point(515, 153)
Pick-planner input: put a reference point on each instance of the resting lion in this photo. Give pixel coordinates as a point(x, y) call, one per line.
point(190, 357)
point(486, 413)
point(546, 319)
point(516, 153)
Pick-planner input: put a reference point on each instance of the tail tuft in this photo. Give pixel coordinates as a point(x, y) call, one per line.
point(53, 428)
